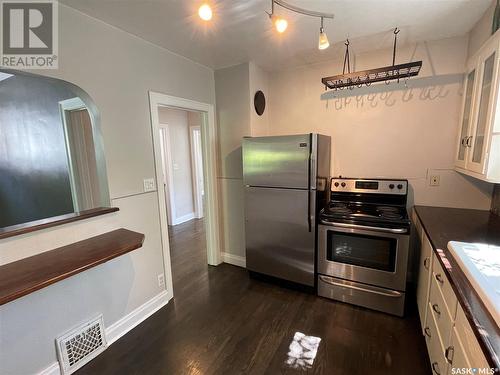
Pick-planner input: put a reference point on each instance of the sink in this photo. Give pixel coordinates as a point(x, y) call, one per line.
point(481, 265)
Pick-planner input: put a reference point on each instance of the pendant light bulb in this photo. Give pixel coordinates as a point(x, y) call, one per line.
point(280, 24)
point(323, 42)
point(205, 12)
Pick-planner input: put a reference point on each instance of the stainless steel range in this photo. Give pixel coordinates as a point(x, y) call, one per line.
point(363, 244)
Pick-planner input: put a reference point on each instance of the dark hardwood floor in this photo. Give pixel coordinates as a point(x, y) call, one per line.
point(222, 322)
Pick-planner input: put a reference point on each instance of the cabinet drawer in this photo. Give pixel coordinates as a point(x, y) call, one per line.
point(424, 278)
point(435, 345)
point(455, 355)
point(444, 286)
point(439, 310)
point(471, 347)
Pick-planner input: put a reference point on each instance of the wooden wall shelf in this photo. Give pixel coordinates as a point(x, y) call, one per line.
point(28, 275)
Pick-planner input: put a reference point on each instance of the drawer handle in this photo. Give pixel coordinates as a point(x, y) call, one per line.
point(449, 353)
point(435, 368)
point(427, 332)
point(435, 307)
point(439, 278)
point(426, 263)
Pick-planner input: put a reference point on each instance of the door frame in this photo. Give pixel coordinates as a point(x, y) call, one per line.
point(209, 145)
point(195, 159)
point(168, 173)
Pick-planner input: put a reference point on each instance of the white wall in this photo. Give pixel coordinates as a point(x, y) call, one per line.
point(258, 80)
point(387, 130)
point(117, 70)
point(178, 133)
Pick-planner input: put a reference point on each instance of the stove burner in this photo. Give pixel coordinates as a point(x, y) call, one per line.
point(389, 212)
point(340, 209)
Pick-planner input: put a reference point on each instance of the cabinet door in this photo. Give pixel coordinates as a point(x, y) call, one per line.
point(480, 137)
point(424, 276)
point(461, 157)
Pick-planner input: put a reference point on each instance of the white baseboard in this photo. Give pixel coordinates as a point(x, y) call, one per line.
point(235, 260)
point(136, 317)
point(183, 219)
point(124, 325)
point(53, 369)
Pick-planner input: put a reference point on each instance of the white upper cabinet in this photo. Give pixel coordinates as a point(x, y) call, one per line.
point(478, 151)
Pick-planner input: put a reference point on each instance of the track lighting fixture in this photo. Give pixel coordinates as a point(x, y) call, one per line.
point(323, 39)
point(281, 24)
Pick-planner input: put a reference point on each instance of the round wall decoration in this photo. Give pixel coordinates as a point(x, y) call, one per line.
point(259, 101)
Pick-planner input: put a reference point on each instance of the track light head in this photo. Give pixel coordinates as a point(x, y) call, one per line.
point(323, 42)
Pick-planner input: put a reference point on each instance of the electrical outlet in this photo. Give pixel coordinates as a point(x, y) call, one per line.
point(149, 184)
point(434, 180)
point(161, 280)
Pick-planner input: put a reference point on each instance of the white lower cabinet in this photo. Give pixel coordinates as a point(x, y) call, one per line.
point(451, 343)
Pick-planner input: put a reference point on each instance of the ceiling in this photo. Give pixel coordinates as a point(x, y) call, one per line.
point(241, 31)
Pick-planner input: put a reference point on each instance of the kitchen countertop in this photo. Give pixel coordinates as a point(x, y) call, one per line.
point(453, 224)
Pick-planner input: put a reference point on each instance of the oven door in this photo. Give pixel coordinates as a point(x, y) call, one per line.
point(370, 255)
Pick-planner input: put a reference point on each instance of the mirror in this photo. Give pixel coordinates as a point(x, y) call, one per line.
point(51, 154)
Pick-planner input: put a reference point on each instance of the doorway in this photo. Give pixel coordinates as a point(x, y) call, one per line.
point(182, 157)
point(202, 141)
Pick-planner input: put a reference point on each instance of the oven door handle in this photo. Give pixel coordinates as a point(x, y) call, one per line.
point(392, 293)
point(355, 226)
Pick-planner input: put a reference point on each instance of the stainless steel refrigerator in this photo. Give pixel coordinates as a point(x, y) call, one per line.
point(285, 181)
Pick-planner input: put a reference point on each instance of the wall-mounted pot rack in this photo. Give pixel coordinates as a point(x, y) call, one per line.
point(367, 77)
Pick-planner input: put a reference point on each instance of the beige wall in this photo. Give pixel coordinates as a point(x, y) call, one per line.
point(387, 130)
point(481, 31)
point(233, 119)
point(178, 132)
point(258, 80)
point(117, 70)
point(235, 88)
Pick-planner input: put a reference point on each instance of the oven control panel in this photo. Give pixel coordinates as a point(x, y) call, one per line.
point(352, 185)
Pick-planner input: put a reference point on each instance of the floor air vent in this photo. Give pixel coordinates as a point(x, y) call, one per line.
point(80, 345)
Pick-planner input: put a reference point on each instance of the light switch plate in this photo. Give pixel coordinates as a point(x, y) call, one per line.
point(149, 184)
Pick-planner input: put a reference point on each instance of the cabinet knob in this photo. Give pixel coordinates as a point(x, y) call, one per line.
point(439, 278)
point(469, 141)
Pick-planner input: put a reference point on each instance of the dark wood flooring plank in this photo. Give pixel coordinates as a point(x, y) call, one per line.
point(222, 322)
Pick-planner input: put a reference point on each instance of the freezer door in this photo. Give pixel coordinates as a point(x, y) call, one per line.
point(280, 233)
point(282, 161)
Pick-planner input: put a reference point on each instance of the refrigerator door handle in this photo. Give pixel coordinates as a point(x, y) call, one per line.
point(313, 167)
point(309, 216)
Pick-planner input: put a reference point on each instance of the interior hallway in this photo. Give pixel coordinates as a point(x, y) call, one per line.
point(222, 322)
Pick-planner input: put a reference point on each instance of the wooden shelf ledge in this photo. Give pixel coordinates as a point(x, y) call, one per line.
point(28, 275)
